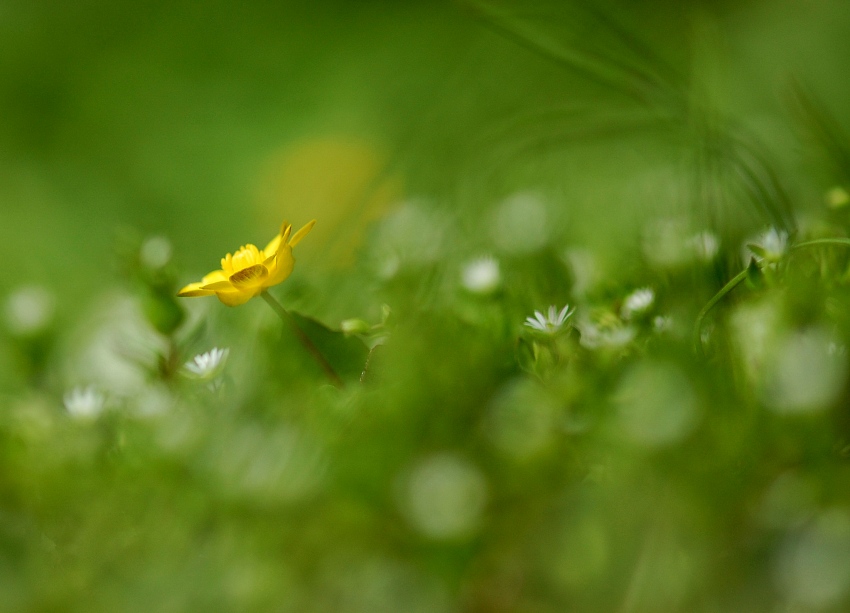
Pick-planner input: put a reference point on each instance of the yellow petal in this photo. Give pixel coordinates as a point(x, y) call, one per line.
point(227, 265)
point(277, 241)
point(247, 256)
point(234, 298)
point(219, 286)
point(216, 275)
point(249, 278)
point(281, 267)
point(199, 288)
point(296, 238)
point(193, 290)
point(272, 247)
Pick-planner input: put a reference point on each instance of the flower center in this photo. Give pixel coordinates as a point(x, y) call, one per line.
point(246, 257)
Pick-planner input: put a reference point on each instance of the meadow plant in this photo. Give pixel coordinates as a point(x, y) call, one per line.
point(569, 332)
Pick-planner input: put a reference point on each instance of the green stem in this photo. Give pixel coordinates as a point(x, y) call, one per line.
point(839, 242)
point(303, 338)
point(736, 280)
point(732, 284)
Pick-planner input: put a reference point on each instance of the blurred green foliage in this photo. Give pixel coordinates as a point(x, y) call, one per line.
point(677, 172)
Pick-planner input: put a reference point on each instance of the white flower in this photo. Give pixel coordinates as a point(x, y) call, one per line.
point(481, 276)
point(662, 323)
point(775, 242)
point(84, 403)
point(770, 245)
point(670, 244)
point(595, 337)
point(207, 365)
point(606, 331)
point(639, 301)
point(29, 310)
point(155, 252)
point(705, 246)
point(552, 322)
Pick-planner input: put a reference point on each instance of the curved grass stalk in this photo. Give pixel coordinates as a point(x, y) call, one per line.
point(818, 242)
point(732, 284)
point(737, 279)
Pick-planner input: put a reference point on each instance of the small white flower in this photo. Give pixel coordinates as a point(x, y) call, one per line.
point(207, 365)
point(481, 276)
point(552, 322)
point(606, 331)
point(155, 252)
point(639, 301)
point(596, 337)
point(84, 403)
point(773, 242)
point(705, 246)
point(662, 323)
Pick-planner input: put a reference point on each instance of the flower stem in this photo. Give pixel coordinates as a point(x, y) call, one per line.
point(732, 284)
point(737, 279)
point(836, 242)
point(303, 338)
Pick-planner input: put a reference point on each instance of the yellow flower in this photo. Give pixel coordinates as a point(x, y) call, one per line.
point(250, 271)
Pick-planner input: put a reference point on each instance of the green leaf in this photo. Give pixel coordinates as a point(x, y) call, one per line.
point(346, 354)
point(755, 276)
point(757, 249)
point(163, 312)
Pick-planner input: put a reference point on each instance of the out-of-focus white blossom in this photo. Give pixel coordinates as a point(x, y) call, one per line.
point(520, 224)
point(594, 337)
point(662, 323)
point(637, 303)
point(113, 347)
point(155, 252)
point(606, 332)
point(551, 323)
point(481, 276)
point(585, 269)
point(84, 402)
point(800, 374)
point(445, 496)
point(705, 246)
point(207, 365)
point(669, 243)
point(29, 310)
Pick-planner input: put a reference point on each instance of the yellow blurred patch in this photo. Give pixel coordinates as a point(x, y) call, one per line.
point(342, 183)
